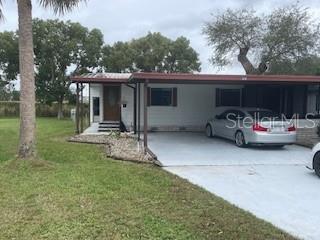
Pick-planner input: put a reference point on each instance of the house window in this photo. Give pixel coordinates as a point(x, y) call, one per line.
point(96, 106)
point(228, 97)
point(162, 97)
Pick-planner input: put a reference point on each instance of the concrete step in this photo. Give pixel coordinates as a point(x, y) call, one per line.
point(108, 130)
point(109, 126)
point(109, 122)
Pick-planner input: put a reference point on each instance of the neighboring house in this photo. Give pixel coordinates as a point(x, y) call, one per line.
point(184, 102)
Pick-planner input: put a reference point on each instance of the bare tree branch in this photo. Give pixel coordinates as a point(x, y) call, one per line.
point(286, 34)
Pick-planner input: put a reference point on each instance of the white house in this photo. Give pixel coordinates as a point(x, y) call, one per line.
point(184, 102)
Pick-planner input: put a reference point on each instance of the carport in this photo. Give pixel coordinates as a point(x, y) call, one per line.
point(285, 94)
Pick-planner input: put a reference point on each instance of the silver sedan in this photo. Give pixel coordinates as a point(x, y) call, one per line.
point(252, 126)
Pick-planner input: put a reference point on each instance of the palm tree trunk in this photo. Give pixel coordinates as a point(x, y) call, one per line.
point(27, 146)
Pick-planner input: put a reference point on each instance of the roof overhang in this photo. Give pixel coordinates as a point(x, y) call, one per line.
point(222, 79)
point(106, 78)
point(189, 78)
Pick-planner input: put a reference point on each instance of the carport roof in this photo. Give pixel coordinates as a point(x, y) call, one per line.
point(218, 78)
point(195, 78)
point(102, 78)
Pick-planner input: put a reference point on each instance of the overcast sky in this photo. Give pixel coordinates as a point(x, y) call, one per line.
point(122, 20)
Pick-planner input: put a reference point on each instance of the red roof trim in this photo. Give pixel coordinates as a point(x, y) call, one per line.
point(79, 79)
point(199, 78)
point(176, 77)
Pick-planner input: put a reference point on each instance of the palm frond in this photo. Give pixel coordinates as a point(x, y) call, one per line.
point(60, 6)
point(1, 14)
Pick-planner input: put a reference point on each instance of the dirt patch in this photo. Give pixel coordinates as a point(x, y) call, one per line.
point(122, 146)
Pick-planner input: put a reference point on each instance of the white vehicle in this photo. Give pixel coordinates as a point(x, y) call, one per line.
point(314, 161)
point(252, 126)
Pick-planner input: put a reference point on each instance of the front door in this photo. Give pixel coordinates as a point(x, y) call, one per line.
point(111, 96)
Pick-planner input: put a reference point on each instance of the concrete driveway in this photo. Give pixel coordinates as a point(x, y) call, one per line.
point(272, 184)
point(195, 149)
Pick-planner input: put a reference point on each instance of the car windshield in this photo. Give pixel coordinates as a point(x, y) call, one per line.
point(264, 115)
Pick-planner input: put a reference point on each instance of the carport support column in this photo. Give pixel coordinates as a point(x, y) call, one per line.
point(145, 115)
point(139, 111)
point(77, 109)
point(81, 108)
point(135, 108)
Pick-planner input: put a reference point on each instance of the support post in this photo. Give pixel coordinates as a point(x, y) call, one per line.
point(318, 100)
point(77, 109)
point(145, 116)
point(281, 103)
point(139, 111)
point(82, 110)
point(135, 109)
point(305, 101)
point(89, 117)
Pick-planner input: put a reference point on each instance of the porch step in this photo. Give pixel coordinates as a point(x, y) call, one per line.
point(108, 126)
point(108, 122)
point(108, 130)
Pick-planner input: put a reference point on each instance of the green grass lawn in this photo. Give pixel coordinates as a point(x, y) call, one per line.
point(81, 194)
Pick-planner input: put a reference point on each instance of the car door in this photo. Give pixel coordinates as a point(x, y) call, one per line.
point(218, 124)
point(221, 124)
point(237, 118)
point(231, 124)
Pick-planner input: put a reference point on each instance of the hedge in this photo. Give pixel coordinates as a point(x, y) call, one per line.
point(11, 109)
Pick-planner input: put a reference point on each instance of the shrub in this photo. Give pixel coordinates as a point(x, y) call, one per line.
point(11, 109)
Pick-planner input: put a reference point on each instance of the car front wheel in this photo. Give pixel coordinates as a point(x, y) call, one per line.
point(239, 139)
point(316, 164)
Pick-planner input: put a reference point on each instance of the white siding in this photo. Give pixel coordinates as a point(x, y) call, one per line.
point(127, 112)
point(196, 104)
point(96, 90)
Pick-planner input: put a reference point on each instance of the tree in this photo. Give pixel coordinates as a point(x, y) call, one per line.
point(118, 58)
point(152, 53)
point(286, 34)
point(182, 57)
point(27, 147)
point(9, 63)
point(8, 93)
point(305, 65)
point(89, 50)
point(9, 56)
point(59, 46)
